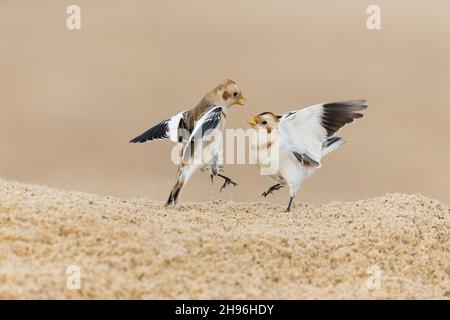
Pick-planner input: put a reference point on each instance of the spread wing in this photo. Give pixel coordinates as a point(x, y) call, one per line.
point(209, 122)
point(304, 131)
point(174, 128)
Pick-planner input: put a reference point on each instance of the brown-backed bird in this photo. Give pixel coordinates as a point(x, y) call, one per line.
point(199, 130)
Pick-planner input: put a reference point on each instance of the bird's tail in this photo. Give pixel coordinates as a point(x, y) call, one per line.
point(185, 171)
point(174, 194)
point(331, 144)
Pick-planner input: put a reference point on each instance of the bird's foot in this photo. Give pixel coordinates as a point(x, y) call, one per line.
point(227, 182)
point(169, 203)
point(271, 190)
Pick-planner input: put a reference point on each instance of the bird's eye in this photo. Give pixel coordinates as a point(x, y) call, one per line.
point(264, 122)
point(235, 94)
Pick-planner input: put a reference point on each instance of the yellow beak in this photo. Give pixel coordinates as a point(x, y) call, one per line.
point(254, 117)
point(241, 101)
point(252, 123)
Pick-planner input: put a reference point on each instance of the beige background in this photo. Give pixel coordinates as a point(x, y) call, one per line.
point(71, 100)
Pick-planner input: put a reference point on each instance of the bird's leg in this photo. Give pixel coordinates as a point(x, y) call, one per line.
point(278, 186)
point(215, 169)
point(226, 182)
point(290, 204)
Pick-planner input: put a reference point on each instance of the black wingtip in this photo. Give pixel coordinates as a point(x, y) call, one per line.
point(140, 138)
point(353, 105)
point(338, 114)
point(137, 140)
point(159, 131)
point(364, 104)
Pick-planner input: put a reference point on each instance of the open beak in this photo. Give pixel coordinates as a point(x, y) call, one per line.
point(252, 123)
point(241, 101)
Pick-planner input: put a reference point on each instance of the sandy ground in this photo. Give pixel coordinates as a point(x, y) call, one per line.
point(132, 248)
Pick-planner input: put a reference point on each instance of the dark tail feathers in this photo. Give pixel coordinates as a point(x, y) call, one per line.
point(173, 197)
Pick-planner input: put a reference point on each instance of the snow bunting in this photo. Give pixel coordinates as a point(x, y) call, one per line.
point(301, 138)
point(199, 130)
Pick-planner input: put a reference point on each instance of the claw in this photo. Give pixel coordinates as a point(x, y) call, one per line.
point(212, 179)
point(227, 182)
point(266, 193)
point(271, 190)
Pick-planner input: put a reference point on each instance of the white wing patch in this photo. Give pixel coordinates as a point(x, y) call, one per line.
point(173, 125)
point(304, 131)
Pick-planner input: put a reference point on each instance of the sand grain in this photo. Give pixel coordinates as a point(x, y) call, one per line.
point(135, 249)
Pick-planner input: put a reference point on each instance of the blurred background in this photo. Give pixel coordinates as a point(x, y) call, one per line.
point(71, 100)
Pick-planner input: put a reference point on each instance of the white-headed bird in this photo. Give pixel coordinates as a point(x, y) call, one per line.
point(199, 130)
point(301, 138)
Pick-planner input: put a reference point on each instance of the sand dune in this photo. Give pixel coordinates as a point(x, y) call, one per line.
point(132, 248)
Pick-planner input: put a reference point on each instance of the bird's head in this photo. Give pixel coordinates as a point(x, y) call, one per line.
point(226, 94)
point(264, 121)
